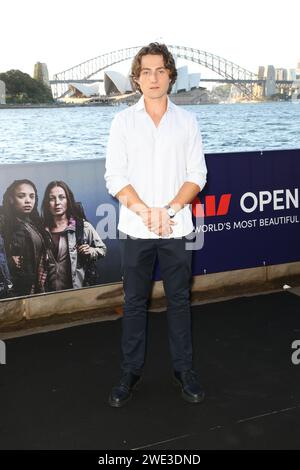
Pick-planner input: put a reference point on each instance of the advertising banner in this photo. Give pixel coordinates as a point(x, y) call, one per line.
point(246, 216)
point(251, 211)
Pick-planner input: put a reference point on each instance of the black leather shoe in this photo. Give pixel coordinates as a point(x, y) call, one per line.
point(190, 388)
point(122, 393)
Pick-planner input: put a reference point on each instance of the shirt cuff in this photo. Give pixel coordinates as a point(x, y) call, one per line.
point(116, 185)
point(196, 178)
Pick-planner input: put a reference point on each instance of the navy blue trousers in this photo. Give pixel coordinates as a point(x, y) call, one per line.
point(138, 258)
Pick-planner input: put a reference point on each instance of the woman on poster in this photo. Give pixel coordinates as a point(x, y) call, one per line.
point(74, 244)
point(5, 282)
point(24, 238)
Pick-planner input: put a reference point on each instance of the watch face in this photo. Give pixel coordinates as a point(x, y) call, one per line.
point(171, 212)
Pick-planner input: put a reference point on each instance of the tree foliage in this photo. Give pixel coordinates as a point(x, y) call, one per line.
point(22, 89)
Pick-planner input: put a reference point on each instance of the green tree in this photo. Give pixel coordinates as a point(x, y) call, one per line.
point(21, 88)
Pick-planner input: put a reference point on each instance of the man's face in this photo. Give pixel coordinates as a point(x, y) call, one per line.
point(154, 79)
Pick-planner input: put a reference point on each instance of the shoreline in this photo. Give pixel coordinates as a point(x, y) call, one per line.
point(54, 105)
point(115, 104)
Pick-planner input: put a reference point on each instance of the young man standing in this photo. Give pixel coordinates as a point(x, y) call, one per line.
point(155, 167)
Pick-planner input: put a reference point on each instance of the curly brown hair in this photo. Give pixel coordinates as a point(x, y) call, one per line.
point(153, 48)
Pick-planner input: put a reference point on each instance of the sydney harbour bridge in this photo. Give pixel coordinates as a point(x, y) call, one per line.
point(89, 71)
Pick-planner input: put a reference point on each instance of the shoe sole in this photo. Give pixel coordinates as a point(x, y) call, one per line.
point(119, 404)
point(184, 395)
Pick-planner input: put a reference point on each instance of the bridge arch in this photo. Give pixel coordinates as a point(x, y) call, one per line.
point(90, 68)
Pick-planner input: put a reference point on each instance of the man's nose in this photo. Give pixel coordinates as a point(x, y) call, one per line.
point(153, 76)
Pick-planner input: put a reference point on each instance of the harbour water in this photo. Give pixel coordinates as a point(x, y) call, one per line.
point(52, 134)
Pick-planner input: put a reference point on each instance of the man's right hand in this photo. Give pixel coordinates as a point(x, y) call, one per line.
point(157, 220)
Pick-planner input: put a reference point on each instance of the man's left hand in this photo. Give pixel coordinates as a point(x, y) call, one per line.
point(159, 221)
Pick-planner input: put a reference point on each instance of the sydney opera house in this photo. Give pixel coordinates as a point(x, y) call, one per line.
point(115, 83)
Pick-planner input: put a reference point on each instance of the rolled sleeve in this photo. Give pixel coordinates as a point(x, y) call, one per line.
point(195, 160)
point(116, 166)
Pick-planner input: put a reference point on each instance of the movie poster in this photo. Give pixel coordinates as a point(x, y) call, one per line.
point(54, 228)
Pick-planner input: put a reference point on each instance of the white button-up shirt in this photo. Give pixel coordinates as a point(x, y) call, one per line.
point(156, 161)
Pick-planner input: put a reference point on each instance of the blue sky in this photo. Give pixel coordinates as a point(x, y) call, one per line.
point(64, 33)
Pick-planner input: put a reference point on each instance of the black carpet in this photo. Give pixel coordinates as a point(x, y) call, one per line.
point(54, 387)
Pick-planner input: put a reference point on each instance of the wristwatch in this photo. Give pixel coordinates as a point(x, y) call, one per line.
point(170, 211)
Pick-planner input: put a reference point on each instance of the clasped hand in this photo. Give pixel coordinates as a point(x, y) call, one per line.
point(157, 220)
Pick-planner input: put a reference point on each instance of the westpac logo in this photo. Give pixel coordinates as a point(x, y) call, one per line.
point(278, 199)
point(211, 207)
point(2, 352)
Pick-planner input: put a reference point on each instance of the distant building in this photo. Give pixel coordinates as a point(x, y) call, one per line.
point(270, 87)
point(2, 92)
point(298, 70)
point(281, 74)
point(261, 72)
point(194, 80)
point(292, 74)
point(116, 83)
point(40, 73)
point(182, 82)
point(258, 88)
point(185, 81)
point(83, 90)
point(270, 72)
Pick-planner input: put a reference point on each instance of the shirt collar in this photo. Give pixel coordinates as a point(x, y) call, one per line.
point(141, 104)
